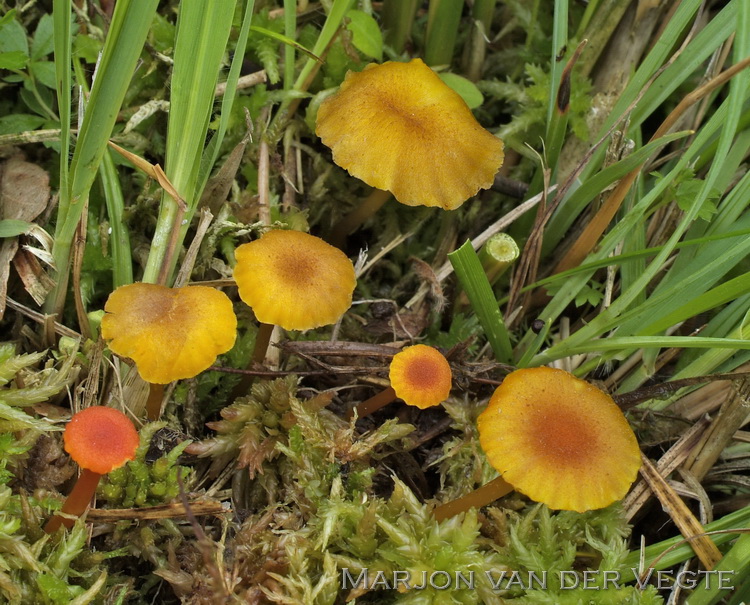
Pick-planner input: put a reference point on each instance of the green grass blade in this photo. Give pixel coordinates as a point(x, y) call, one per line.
point(286, 40)
point(119, 241)
point(623, 260)
point(443, 19)
point(61, 13)
point(128, 29)
point(212, 149)
point(202, 32)
point(122, 263)
point(734, 565)
point(474, 281)
point(557, 120)
point(333, 22)
point(330, 27)
point(719, 122)
point(290, 29)
point(576, 202)
point(615, 343)
point(679, 548)
point(398, 19)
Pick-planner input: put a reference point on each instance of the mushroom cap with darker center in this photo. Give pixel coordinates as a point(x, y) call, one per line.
point(294, 280)
point(400, 128)
point(100, 439)
point(170, 333)
point(559, 440)
point(421, 376)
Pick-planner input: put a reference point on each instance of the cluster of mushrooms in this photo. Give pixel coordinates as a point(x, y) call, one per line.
point(550, 435)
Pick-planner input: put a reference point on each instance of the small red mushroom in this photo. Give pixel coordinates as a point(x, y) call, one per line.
point(99, 439)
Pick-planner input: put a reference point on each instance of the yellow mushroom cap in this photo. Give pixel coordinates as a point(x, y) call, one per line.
point(559, 440)
point(294, 280)
point(420, 376)
point(399, 127)
point(170, 333)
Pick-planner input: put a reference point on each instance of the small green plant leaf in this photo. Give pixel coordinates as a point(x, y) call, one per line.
point(42, 44)
point(8, 17)
point(366, 35)
point(13, 38)
point(15, 59)
point(19, 122)
point(55, 589)
point(686, 194)
point(12, 227)
point(87, 48)
point(466, 89)
point(44, 72)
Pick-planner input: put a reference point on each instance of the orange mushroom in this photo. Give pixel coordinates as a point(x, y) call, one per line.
point(399, 127)
point(558, 439)
point(294, 280)
point(170, 333)
point(420, 376)
point(99, 439)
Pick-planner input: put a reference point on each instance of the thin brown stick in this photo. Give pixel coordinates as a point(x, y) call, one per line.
point(683, 518)
point(730, 418)
point(262, 338)
point(174, 510)
point(79, 247)
point(183, 276)
point(672, 458)
point(264, 196)
point(41, 318)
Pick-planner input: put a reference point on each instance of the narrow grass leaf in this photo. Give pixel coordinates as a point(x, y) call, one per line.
point(202, 32)
point(474, 281)
point(127, 33)
point(285, 40)
point(63, 41)
point(673, 551)
point(443, 19)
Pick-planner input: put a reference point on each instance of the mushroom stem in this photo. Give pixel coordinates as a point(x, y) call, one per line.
point(153, 403)
point(262, 340)
point(77, 501)
point(497, 488)
point(367, 208)
point(374, 403)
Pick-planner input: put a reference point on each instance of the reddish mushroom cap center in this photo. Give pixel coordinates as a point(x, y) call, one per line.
point(559, 435)
point(297, 269)
point(422, 373)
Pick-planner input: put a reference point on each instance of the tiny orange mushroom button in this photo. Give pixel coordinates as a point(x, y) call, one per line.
point(170, 333)
point(559, 440)
point(420, 376)
point(100, 439)
point(399, 127)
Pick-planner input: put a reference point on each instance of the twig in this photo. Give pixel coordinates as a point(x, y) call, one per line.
point(683, 518)
point(174, 510)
